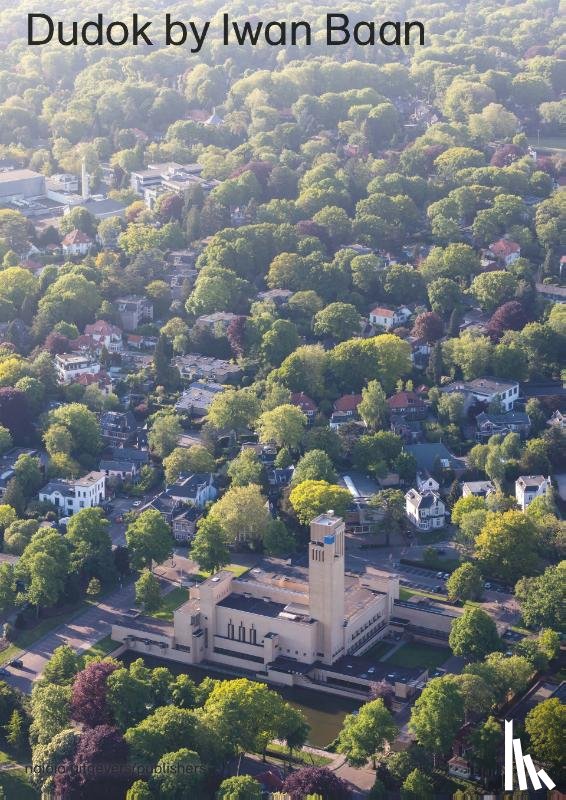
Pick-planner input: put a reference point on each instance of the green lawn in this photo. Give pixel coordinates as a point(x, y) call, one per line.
point(170, 602)
point(556, 143)
point(419, 655)
point(406, 594)
point(303, 756)
point(17, 785)
point(102, 648)
point(25, 638)
point(237, 569)
point(378, 650)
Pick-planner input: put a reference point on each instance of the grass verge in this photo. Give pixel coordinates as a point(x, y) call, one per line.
point(298, 756)
point(237, 569)
point(171, 601)
point(102, 648)
point(25, 638)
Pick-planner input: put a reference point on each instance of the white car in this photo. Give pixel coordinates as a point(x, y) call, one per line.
point(136, 503)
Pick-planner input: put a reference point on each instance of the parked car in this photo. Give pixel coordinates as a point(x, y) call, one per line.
point(136, 503)
point(17, 662)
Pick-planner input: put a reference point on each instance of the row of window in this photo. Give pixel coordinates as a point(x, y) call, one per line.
point(252, 639)
point(366, 626)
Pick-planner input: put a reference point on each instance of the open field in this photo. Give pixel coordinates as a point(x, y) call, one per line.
point(419, 655)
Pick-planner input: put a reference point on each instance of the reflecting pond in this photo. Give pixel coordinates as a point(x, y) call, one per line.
point(324, 712)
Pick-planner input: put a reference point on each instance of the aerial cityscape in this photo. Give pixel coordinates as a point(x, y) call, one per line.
point(283, 401)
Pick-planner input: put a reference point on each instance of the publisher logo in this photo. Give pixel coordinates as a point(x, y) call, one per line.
point(523, 764)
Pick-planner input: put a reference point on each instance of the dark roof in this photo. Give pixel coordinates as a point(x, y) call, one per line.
point(129, 454)
point(189, 486)
point(358, 666)
point(239, 602)
point(427, 454)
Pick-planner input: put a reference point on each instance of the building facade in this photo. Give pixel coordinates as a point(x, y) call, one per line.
point(70, 497)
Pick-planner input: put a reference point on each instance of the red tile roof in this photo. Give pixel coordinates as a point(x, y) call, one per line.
point(303, 401)
point(504, 247)
point(380, 311)
point(405, 400)
point(348, 402)
point(76, 237)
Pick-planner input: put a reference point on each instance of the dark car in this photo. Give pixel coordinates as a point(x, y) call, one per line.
point(17, 662)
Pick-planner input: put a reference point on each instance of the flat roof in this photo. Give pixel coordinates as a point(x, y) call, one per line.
point(18, 174)
point(264, 608)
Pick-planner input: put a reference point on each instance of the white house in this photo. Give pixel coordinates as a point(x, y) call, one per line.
point(527, 487)
point(389, 317)
point(426, 483)
point(485, 390)
point(104, 334)
point(69, 366)
point(426, 510)
point(76, 243)
point(71, 496)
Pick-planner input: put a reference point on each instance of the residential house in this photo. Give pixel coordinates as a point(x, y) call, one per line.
point(408, 404)
point(104, 334)
point(193, 366)
point(197, 399)
point(181, 503)
point(420, 351)
point(505, 251)
point(557, 419)
point(488, 425)
point(305, 403)
point(527, 487)
point(119, 470)
point(485, 390)
point(388, 318)
point(8, 461)
point(431, 456)
point(411, 431)
point(134, 310)
point(76, 243)
point(71, 496)
point(426, 510)
point(219, 320)
point(280, 477)
point(426, 483)
point(69, 366)
point(551, 293)
point(477, 488)
point(100, 379)
point(118, 427)
point(279, 297)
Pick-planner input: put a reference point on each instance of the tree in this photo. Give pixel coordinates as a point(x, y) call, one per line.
point(15, 413)
point(373, 408)
point(428, 326)
point(277, 539)
point(164, 433)
point(246, 468)
point(510, 316)
point(465, 583)
point(451, 407)
point(89, 694)
point(87, 531)
point(474, 635)
point(50, 709)
point(391, 502)
point(437, 715)
point(444, 294)
point(283, 425)
point(542, 597)
point(149, 539)
point(7, 586)
point(506, 546)
point(165, 374)
point(63, 665)
point(485, 741)
point(314, 465)
point(179, 774)
point(5, 440)
point(315, 781)
point(148, 592)
point(338, 320)
point(242, 513)
point(491, 289)
point(366, 733)
point(454, 262)
point(139, 790)
point(83, 426)
point(234, 409)
point(311, 498)
point(417, 786)
point(241, 787)
point(15, 730)
point(545, 724)
point(210, 545)
point(186, 461)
